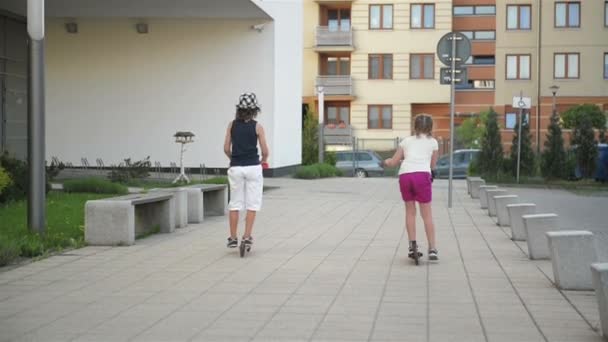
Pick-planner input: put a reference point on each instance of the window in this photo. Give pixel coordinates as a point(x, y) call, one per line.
point(477, 84)
point(422, 66)
point(512, 118)
point(337, 112)
point(606, 66)
point(566, 65)
point(380, 116)
point(422, 16)
point(606, 14)
point(380, 17)
point(338, 19)
point(568, 14)
point(335, 65)
point(519, 17)
point(364, 157)
point(480, 35)
point(380, 67)
point(474, 10)
point(518, 67)
point(484, 60)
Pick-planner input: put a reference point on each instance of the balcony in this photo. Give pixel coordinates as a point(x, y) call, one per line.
point(341, 85)
point(327, 39)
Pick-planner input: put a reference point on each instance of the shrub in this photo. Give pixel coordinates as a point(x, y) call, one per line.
point(527, 160)
point(472, 129)
point(131, 171)
point(491, 156)
point(586, 149)
point(573, 116)
point(310, 142)
point(9, 251)
point(473, 167)
point(326, 170)
point(216, 180)
point(5, 179)
point(31, 246)
point(94, 185)
point(308, 172)
point(18, 172)
point(553, 157)
point(331, 158)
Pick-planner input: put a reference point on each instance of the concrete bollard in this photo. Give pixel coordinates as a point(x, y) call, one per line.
point(475, 184)
point(501, 203)
point(572, 251)
point(537, 226)
point(599, 275)
point(516, 211)
point(483, 199)
point(491, 203)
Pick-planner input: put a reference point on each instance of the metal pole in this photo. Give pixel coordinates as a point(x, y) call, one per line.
point(452, 101)
point(36, 204)
point(321, 118)
point(519, 133)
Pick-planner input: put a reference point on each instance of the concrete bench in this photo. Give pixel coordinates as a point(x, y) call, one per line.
point(599, 276)
point(214, 201)
point(491, 203)
point(516, 211)
point(474, 185)
point(181, 204)
point(571, 254)
point(501, 203)
point(537, 226)
point(118, 220)
point(483, 198)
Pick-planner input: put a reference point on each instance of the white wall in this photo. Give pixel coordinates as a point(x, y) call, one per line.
point(113, 93)
point(288, 38)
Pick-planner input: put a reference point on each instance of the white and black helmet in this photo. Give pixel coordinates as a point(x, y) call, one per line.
point(248, 101)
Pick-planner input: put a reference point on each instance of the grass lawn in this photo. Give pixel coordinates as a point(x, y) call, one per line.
point(65, 226)
point(151, 184)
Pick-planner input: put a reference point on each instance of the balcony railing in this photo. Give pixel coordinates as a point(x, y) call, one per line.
point(336, 85)
point(324, 36)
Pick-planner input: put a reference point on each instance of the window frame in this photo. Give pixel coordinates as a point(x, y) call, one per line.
point(474, 8)
point(567, 3)
point(369, 15)
point(566, 66)
point(518, 77)
point(518, 26)
point(422, 15)
point(605, 64)
point(606, 14)
point(422, 57)
point(380, 66)
point(336, 104)
point(380, 108)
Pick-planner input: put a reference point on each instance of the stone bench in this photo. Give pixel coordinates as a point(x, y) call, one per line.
point(118, 220)
point(491, 203)
point(214, 201)
point(571, 254)
point(516, 211)
point(483, 198)
point(537, 226)
point(599, 276)
point(181, 204)
point(501, 202)
point(474, 185)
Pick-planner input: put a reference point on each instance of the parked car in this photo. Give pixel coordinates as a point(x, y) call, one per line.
point(367, 163)
point(462, 159)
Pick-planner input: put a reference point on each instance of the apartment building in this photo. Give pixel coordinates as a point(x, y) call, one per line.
point(376, 60)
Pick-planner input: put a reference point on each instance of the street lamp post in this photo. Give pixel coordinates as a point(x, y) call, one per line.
point(321, 94)
point(36, 118)
point(554, 90)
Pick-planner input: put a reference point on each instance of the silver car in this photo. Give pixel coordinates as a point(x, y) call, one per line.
point(462, 159)
point(367, 163)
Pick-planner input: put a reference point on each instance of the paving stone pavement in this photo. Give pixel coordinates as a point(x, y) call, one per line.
point(329, 264)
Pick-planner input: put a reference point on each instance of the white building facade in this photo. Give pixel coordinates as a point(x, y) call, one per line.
point(114, 93)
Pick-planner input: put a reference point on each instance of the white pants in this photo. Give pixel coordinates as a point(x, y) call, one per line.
point(246, 187)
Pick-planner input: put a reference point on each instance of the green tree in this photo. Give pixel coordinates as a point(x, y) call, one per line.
point(5, 179)
point(527, 155)
point(310, 140)
point(553, 158)
point(573, 116)
point(470, 132)
point(586, 146)
point(491, 156)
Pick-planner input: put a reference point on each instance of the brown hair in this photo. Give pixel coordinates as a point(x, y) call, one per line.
point(423, 124)
point(246, 114)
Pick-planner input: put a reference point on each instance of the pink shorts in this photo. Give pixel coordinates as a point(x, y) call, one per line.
point(416, 186)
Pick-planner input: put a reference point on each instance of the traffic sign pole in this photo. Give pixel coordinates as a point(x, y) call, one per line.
point(452, 102)
point(521, 109)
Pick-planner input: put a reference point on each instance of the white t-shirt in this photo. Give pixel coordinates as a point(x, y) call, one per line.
point(418, 152)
